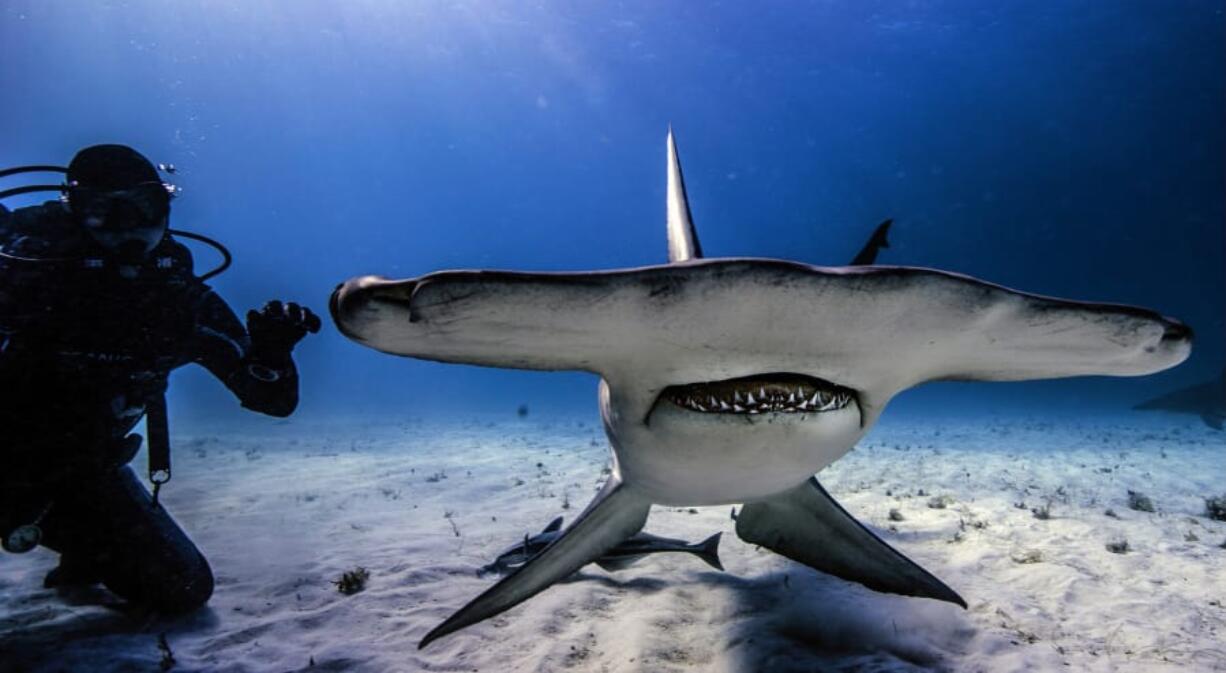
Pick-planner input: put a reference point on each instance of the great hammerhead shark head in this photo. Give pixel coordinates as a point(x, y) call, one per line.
point(734, 380)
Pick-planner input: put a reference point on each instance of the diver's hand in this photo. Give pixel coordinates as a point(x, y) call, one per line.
point(277, 327)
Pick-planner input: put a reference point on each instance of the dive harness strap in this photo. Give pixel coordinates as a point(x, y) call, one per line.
point(158, 429)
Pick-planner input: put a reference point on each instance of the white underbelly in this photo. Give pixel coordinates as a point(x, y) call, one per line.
point(690, 459)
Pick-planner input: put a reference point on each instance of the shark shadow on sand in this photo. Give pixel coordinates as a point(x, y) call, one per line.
point(798, 620)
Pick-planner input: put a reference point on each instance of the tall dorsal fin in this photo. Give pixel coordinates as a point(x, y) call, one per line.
point(682, 240)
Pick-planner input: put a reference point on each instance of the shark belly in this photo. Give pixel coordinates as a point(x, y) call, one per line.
point(685, 459)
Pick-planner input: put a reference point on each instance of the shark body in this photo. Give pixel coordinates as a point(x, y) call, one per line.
point(734, 380)
point(1207, 400)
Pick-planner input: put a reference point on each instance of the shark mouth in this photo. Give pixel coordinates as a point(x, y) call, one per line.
point(761, 394)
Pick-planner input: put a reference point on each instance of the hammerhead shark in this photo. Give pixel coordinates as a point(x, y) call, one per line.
point(1207, 400)
point(735, 380)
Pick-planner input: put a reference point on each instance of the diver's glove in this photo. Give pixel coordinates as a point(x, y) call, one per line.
point(276, 328)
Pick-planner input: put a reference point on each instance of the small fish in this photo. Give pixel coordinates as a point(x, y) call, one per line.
point(618, 558)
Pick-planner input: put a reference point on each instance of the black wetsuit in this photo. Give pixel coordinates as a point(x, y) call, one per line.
point(83, 350)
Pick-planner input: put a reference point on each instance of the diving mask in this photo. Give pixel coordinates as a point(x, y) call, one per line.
point(128, 222)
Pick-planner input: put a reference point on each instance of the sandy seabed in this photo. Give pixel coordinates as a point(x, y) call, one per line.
point(282, 512)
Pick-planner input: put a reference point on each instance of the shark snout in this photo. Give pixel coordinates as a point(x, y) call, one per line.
point(1150, 343)
point(1175, 344)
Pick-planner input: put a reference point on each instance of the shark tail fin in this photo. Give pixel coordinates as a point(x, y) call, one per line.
point(553, 526)
point(805, 524)
point(682, 239)
point(708, 550)
point(614, 515)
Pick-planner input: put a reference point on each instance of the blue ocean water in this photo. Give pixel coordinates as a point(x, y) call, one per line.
point(1071, 148)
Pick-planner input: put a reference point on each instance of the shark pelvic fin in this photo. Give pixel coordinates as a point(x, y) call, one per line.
point(805, 524)
point(682, 239)
point(613, 516)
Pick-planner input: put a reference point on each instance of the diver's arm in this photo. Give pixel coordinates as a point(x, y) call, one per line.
point(254, 363)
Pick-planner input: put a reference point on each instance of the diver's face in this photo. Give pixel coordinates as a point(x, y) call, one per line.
point(128, 223)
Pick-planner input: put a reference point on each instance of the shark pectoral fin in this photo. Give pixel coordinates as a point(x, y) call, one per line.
point(805, 524)
point(613, 516)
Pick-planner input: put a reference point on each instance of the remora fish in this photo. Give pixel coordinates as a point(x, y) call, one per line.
point(734, 380)
point(625, 554)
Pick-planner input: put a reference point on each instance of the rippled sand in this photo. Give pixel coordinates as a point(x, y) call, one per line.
point(282, 510)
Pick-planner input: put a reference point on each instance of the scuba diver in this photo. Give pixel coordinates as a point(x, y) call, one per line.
point(98, 304)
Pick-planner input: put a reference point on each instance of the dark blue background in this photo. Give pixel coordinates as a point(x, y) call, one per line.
point(1072, 148)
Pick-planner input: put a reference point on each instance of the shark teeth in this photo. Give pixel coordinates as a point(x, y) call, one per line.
point(773, 393)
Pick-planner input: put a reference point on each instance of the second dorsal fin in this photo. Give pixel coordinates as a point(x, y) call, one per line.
point(879, 239)
point(682, 239)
